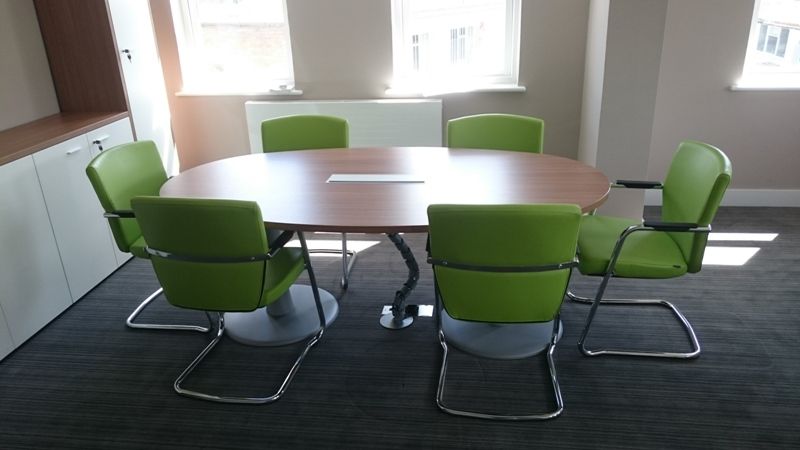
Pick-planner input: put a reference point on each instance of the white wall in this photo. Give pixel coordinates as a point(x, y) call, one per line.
point(593, 77)
point(624, 57)
point(26, 87)
point(343, 50)
point(702, 56)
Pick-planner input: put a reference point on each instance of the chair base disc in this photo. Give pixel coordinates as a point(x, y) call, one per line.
point(258, 328)
point(498, 341)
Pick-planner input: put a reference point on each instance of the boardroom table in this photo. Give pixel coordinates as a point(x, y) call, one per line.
point(383, 190)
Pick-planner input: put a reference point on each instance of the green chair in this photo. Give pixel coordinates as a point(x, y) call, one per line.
point(117, 175)
point(213, 255)
point(306, 132)
point(500, 297)
point(497, 131)
point(615, 247)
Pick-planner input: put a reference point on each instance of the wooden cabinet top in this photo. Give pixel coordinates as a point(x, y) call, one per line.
point(33, 136)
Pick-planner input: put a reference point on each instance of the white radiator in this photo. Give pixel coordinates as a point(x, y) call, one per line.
point(378, 123)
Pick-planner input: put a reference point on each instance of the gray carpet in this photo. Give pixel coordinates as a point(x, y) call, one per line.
point(87, 381)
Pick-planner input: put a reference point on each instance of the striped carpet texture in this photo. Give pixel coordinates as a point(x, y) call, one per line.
point(86, 381)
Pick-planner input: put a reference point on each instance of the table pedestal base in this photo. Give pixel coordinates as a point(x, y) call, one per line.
point(288, 320)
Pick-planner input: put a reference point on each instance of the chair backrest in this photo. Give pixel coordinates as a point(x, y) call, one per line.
point(497, 131)
point(300, 132)
point(218, 250)
point(120, 173)
point(503, 236)
point(693, 188)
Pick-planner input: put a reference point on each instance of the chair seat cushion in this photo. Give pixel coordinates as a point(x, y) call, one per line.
point(645, 254)
point(138, 248)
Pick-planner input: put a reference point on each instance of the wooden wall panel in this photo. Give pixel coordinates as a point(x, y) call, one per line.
point(83, 57)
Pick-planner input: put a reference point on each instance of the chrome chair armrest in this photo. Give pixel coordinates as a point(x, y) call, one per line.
point(121, 214)
point(655, 225)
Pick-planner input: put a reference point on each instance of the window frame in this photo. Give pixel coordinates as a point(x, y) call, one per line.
point(406, 83)
point(765, 80)
point(186, 33)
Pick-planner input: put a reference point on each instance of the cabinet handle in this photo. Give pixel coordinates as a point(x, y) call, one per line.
point(99, 142)
point(73, 151)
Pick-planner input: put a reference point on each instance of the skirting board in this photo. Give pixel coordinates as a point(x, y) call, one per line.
point(745, 197)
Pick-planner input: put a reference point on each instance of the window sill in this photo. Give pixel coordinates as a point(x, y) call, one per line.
point(764, 87)
point(433, 92)
point(768, 82)
point(232, 92)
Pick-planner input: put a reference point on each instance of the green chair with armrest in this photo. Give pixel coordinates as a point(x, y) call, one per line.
point(213, 255)
point(500, 298)
point(497, 131)
point(610, 247)
point(307, 132)
point(117, 175)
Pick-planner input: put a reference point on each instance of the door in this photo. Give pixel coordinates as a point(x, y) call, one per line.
point(144, 80)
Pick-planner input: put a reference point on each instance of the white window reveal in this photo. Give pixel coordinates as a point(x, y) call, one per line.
point(234, 46)
point(773, 52)
point(455, 45)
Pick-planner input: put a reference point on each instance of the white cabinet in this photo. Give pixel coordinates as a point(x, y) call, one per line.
point(33, 288)
point(81, 232)
point(55, 244)
point(143, 77)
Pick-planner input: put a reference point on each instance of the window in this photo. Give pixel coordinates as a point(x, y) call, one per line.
point(233, 45)
point(773, 52)
point(455, 45)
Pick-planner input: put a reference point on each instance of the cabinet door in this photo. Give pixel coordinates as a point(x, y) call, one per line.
point(34, 288)
point(81, 231)
point(100, 139)
point(144, 80)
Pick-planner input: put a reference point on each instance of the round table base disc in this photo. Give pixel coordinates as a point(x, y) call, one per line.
point(258, 328)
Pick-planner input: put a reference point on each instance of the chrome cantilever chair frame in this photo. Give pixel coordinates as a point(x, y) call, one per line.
point(221, 331)
point(157, 326)
point(695, 352)
point(551, 346)
point(150, 298)
point(108, 174)
point(348, 259)
point(551, 366)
